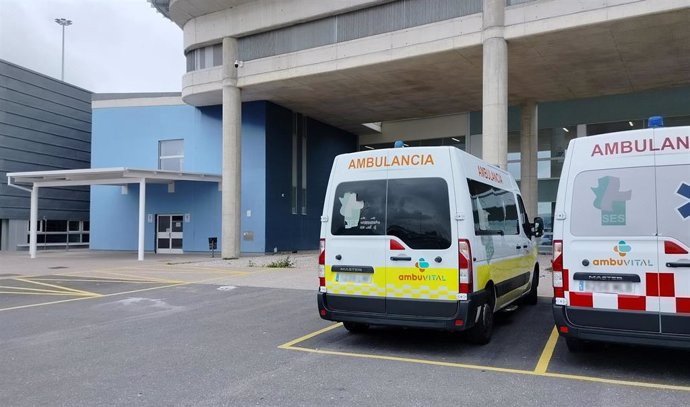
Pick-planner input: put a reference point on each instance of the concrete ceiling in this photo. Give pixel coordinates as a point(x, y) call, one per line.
point(635, 54)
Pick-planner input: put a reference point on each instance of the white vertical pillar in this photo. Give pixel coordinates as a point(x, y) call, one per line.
point(33, 220)
point(528, 156)
point(232, 124)
point(494, 84)
point(142, 218)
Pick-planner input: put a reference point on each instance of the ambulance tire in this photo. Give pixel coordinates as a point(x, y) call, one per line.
point(480, 333)
point(355, 327)
point(532, 297)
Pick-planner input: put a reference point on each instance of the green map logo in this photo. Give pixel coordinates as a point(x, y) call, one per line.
point(611, 201)
point(350, 209)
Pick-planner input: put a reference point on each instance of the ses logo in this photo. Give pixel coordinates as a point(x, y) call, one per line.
point(421, 265)
point(611, 201)
point(622, 248)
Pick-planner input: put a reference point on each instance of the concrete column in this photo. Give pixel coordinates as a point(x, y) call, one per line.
point(528, 156)
point(232, 124)
point(142, 218)
point(33, 220)
point(495, 84)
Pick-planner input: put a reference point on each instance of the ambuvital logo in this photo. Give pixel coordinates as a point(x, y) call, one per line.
point(622, 248)
point(422, 264)
point(415, 277)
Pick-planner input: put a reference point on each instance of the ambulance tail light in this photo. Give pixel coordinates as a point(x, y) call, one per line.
point(560, 275)
point(322, 265)
point(464, 269)
point(673, 248)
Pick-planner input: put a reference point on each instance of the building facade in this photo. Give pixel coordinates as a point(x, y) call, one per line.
point(45, 124)
point(508, 80)
point(286, 160)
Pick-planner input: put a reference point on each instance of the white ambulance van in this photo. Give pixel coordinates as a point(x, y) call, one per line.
point(621, 268)
point(428, 237)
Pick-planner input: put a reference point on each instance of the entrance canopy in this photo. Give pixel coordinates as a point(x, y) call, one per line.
point(33, 180)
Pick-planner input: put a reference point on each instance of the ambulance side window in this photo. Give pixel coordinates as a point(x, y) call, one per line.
point(524, 218)
point(494, 210)
point(419, 212)
point(359, 208)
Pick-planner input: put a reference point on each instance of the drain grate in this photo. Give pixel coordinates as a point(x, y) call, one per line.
point(57, 267)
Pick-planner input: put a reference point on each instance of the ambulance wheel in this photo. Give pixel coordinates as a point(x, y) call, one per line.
point(355, 327)
point(480, 333)
point(531, 298)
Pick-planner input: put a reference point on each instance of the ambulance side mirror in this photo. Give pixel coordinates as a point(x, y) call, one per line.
point(538, 227)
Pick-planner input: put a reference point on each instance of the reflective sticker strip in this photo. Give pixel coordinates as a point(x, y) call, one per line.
point(356, 289)
point(422, 292)
point(666, 285)
point(683, 305)
point(581, 300)
point(632, 302)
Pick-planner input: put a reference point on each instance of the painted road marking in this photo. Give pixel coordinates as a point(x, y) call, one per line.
point(547, 353)
point(539, 371)
point(59, 287)
point(108, 295)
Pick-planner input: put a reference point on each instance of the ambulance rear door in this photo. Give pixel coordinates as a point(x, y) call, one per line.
point(422, 253)
point(673, 214)
point(355, 241)
point(610, 242)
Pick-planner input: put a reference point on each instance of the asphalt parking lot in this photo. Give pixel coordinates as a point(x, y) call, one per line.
point(190, 334)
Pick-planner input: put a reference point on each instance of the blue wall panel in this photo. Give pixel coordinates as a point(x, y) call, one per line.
point(284, 230)
point(128, 137)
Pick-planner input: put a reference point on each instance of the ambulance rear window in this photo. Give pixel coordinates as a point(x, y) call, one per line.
point(359, 208)
point(419, 212)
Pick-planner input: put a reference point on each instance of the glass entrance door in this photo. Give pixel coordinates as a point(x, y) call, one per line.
point(169, 233)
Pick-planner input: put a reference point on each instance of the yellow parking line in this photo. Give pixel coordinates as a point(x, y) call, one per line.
point(540, 371)
point(101, 280)
point(311, 335)
point(42, 293)
point(547, 353)
point(59, 287)
point(150, 279)
point(108, 295)
point(30, 289)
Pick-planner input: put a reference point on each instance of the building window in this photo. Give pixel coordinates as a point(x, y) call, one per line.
point(299, 164)
point(51, 233)
point(205, 57)
point(171, 155)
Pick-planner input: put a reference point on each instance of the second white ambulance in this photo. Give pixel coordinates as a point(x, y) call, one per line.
point(621, 269)
point(427, 237)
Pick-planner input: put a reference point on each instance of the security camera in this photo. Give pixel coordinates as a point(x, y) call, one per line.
point(238, 63)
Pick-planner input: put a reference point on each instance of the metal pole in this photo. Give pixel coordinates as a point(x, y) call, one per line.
point(33, 220)
point(62, 75)
point(142, 215)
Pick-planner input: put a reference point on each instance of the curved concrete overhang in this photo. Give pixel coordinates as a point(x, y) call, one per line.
point(557, 49)
point(206, 22)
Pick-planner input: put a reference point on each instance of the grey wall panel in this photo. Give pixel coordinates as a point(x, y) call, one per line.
point(45, 124)
point(39, 159)
point(45, 105)
point(45, 138)
point(48, 86)
point(41, 115)
point(15, 143)
point(44, 127)
point(371, 21)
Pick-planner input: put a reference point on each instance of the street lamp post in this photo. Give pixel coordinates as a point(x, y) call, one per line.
point(63, 22)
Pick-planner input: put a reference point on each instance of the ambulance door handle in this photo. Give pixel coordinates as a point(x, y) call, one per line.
point(678, 264)
point(401, 258)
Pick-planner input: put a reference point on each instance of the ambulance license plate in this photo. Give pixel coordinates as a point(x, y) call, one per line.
point(357, 278)
point(608, 287)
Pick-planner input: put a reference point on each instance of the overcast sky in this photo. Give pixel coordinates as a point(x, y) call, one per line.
point(111, 46)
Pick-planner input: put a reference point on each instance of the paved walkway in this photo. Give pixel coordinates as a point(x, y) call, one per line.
point(250, 270)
